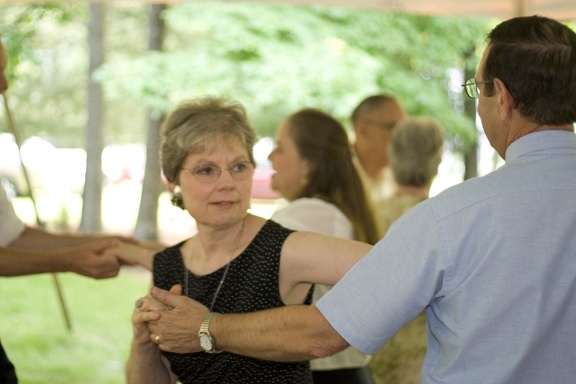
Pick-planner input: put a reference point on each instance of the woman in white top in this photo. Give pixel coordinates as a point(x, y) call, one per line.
point(315, 174)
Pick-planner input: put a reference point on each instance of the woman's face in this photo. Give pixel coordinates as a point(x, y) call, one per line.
point(224, 200)
point(291, 169)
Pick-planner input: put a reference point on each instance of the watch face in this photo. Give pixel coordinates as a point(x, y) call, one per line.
point(206, 342)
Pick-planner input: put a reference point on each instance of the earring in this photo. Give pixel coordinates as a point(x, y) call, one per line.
point(177, 197)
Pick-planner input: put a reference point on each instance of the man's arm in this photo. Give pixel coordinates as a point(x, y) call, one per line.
point(88, 259)
point(38, 239)
point(290, 333)
point(97, 256)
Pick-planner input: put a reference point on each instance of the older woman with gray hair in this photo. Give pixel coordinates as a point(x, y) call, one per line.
point(236, 262)
point(415, 152)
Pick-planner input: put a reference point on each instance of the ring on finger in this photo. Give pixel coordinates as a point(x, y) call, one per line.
point(138, 303)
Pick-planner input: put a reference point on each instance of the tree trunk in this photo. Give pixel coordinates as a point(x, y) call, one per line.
point(92, 197)
point(146, 224)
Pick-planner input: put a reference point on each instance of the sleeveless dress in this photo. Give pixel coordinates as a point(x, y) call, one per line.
point(251, 284)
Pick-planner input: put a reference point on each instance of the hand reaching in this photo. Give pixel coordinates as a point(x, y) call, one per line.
point(91, 259)
point(132, 254)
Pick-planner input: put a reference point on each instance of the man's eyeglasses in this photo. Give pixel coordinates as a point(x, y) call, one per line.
point(209, 173)
point(471, 87)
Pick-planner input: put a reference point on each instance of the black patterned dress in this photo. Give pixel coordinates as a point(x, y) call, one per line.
point(251, 284)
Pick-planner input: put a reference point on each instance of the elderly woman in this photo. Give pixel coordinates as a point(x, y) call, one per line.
point(236, 262)
point(415, 152)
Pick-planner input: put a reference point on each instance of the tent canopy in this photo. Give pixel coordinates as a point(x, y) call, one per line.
point(504, 9)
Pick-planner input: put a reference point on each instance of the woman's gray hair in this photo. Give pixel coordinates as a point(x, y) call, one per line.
point(415, 150)
point(198, 125)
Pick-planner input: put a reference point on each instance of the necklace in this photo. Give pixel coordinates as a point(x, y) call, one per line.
point(221, 282)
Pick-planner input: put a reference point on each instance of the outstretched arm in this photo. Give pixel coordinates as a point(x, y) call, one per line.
point(38, 239)
point(98, 256)
point(131, 254)
point(290, 333)
point(89, 259)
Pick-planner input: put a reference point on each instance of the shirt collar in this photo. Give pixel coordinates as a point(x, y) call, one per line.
point(551, 141)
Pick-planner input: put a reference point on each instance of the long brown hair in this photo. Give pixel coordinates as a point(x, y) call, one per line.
point(323, 142)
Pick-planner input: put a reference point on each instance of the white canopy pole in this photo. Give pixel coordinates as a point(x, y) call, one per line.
point(521, 8)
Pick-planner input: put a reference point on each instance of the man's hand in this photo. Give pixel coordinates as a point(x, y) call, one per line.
point(176, 328)
point(91, 259)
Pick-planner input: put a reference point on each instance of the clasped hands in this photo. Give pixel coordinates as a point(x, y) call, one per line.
point(169, 320)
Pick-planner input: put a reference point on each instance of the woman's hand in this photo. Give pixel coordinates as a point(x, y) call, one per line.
point(131, 254)
point(145, 363)
point(148, 309)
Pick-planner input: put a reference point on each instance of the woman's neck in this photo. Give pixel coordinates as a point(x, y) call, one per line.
point(210, 248)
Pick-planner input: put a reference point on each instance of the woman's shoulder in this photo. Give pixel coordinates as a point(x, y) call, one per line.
point(169, 254)
point(314, 214)
point(312, 202)
point(268, 228)
point(308, 207)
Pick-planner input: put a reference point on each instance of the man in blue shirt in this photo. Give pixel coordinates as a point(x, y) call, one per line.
point(492, 260)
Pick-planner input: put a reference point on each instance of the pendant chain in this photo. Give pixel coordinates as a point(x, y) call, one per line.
point(186, 273)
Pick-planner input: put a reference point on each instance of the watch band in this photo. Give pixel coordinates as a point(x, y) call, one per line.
point(204, 332)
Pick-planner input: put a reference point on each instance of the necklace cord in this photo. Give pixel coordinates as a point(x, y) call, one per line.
point(221, 282)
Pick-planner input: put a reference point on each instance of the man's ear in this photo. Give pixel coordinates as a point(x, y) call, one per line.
point(505, 99)
point(362, 127)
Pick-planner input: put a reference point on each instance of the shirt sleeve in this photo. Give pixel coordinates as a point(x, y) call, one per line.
point(389, 286)
point(10, 225)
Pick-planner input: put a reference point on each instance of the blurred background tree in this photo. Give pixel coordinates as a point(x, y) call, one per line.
point(272, 58)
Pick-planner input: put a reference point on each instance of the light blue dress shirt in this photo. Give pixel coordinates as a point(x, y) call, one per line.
point(11, 227)
point(493, 261)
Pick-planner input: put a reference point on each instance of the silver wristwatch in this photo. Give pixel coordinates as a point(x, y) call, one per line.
point(206, 341)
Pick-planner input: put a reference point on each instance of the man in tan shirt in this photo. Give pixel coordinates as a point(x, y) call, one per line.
point(373, 121)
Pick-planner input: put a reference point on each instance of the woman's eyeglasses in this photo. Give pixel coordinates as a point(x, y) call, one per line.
point(209, 173)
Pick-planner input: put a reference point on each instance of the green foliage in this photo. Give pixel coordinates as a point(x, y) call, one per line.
point(417, 54)
point(274, 59)
point(44, 45)
point(20, 25)
point(277, 59)
point(48, 70)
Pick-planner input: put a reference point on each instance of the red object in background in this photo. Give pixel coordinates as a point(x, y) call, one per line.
point(261, 184)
